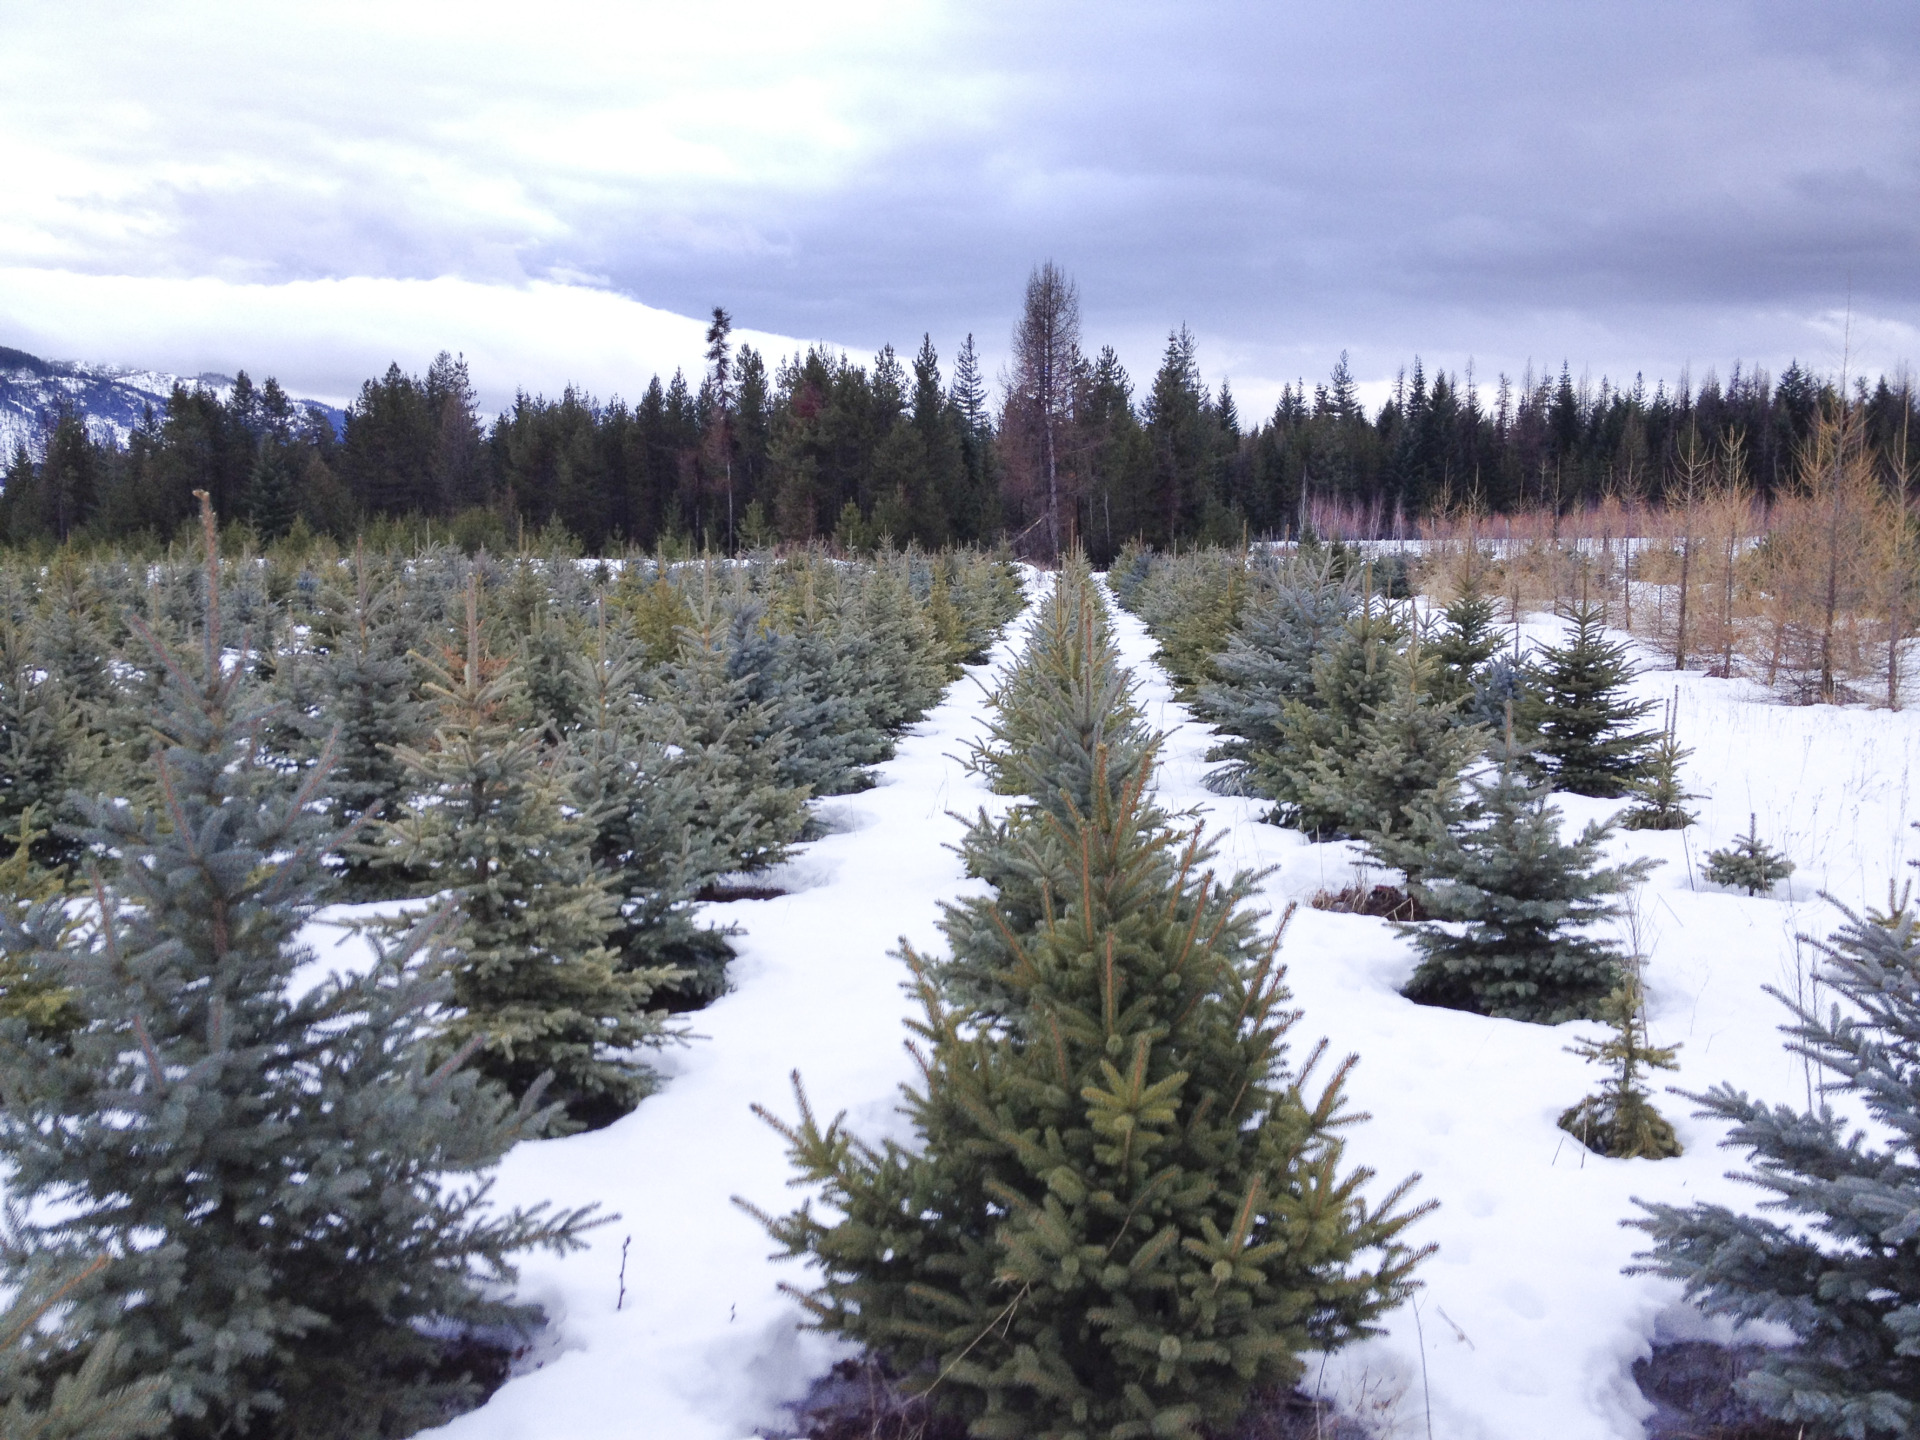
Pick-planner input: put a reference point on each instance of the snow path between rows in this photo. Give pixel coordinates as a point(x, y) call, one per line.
point(706, 1347)
point(1529, 1327)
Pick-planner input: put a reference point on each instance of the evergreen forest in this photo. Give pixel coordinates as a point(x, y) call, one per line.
point(925, 449)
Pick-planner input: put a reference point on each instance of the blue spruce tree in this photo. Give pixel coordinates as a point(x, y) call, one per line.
point(1838, 1261)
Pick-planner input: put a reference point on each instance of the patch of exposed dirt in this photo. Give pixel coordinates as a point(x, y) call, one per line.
point(858, 1400)
point(1384, 901)
point(1690, 1383)
point(738, 892)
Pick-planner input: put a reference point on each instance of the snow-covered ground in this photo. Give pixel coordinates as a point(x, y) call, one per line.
point(1527, 1327)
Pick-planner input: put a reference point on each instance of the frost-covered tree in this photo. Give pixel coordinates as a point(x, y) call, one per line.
point(1838, 1260)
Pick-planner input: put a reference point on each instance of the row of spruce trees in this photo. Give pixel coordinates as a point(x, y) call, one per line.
point(581, 752)
point(1435, 746)
point(249, 1203)
point(1122, 1212)
point(1838, 1260)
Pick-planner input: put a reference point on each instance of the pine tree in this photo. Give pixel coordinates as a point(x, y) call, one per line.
point(1519, 897)
point(284, 1188)
point(1621, 1121)
point(655, 610)
point(47, 750)
point(726, 748)
point(1268, 663)
point(1468, 641)
point(1661, 794)
point(1839, 1265)
point(271, 502)
point(809, 681)
point(645, 840)
point(1399, 784)
point(1500, 691)
point(1583, 721)
point(1351, 680)
point(68, 636)
point(1749, 863)
point(41, 1001)
point(1063, 732)
point(357, 691)
point(83, 1405)
point(549, 649)
point(535, 985)
point(168, 608)
point(1124, 1212)
point(1193, 607)
point(895, 648)
point(1067, 698)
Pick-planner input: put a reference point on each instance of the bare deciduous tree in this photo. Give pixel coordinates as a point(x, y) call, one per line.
point(1041, 385)
point(1819, 571)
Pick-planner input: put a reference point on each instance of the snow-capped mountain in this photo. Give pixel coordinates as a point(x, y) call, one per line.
point(110, 397)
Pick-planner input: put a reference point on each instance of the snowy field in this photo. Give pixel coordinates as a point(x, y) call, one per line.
point(1526, 1326)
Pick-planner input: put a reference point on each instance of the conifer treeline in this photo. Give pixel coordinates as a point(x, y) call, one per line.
point(818, 446)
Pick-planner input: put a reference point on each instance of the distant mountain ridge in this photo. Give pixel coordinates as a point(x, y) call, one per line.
point(110, 398)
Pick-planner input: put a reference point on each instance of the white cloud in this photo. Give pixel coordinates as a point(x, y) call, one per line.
point(321, 338)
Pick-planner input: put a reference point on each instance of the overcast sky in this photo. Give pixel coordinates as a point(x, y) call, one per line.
point(561, 191)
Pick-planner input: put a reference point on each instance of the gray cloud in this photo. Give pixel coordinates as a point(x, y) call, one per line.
point(1630, 186)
